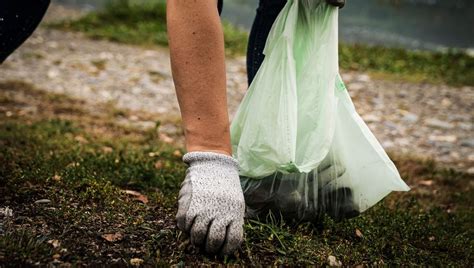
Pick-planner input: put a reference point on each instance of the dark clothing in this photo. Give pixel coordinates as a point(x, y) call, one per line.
point(267, 12)
point(18, 20)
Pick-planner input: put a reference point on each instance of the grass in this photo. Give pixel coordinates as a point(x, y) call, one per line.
point(145, 24)
point(62, 156)
point(140, 24)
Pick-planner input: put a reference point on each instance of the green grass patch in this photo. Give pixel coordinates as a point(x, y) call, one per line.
point(83, 176)
point(454, 68)
point(142, 23)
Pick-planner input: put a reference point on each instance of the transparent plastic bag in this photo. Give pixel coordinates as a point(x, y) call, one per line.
point(302, 148)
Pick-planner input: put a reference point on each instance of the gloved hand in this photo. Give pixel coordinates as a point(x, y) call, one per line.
point(336, 3)
point(211, 202)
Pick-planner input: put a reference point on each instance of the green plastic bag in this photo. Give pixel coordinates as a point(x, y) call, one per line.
point(302, 148)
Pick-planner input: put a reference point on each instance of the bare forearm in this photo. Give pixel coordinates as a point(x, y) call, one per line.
point(198, 64)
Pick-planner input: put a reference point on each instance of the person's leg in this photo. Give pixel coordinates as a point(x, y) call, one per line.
point(267, 12)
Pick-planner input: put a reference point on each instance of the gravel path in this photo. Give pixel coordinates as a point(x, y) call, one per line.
point(422, 119)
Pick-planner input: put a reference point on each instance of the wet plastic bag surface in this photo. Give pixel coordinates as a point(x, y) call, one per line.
point(302, 148)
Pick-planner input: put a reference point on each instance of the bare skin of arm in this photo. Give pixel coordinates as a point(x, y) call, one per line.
point(196, 44)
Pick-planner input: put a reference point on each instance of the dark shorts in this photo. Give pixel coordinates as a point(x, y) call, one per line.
point(220, 3)
point(18, 20)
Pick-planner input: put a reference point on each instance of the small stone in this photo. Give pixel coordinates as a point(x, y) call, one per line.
point(390, 125)
point(448, 138)
point(356, 86)
point(53, 73)
point(371, 118)
point(467, 143)
point(446, 102)
point(363, 78)
point(470, 170)
point(332, 261)
point(410, 118)
point(465, 126)
point(388, 144)
point(43, 201)
point(439, 124)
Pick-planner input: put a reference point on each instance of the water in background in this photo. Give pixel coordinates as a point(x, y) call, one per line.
point(414, 24)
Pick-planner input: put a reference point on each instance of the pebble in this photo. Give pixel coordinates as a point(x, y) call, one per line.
point(470, 170)
point(410, 118)
point(371, 118)
point(467, 143)
point(433, 122)
point(448, 138)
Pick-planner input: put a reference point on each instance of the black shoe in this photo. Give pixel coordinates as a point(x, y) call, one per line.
point(18, 20)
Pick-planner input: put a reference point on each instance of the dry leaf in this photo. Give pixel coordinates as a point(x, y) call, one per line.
point(56, 177)
point(431, 238)
point(136, 261)
point(113, 237)
point(107, 149)
point(159, 164)
point(55, 243)
point(177, 153)
point(333, 261)
point(81, 139)
point(137, 196)
point(426, 182)
point(358, 233)
point(165, 138)
point(56, 256)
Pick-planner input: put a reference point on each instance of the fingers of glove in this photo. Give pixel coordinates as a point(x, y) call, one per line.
point(216, 236)
point(234, 237)
point(185, 188)
point(199, 230)
point(183, 207)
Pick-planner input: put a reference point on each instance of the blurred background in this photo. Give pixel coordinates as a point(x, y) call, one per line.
point(91, 139)
point(415, 24)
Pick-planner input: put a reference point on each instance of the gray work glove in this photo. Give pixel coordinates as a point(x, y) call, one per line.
point(211, 202)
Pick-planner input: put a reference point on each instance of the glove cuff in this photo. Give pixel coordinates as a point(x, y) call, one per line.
point(199, 158)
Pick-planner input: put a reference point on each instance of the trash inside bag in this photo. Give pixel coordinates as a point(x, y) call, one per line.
point(302, 148)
